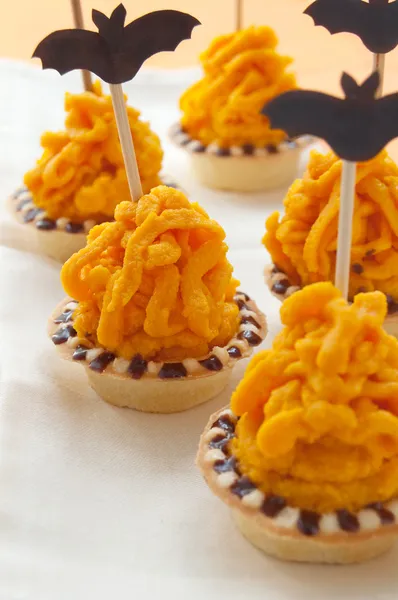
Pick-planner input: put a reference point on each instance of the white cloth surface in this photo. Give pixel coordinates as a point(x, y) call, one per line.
point(98, 502)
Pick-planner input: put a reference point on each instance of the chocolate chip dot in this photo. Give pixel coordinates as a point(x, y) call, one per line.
point(248, 149)
point(137, 367)
point(80, 352)
point(241, 304)
point(271, 149)
point(100, 363)
point(64, 317)
point(199, 148)
point(234, 352)
point(251, 320)
point(308, 522)
point(252, 338)
point(223, 466)
point(46, 224)
point(31, 214)
point(62, 335)
point(347, 521)
point(370, 252)
point(213, 363)
point(222, 151)
point(276, 269)
point(74, 227)
point(225, 422)
point(280, 287)
point(385, 515)
point(246, 297)
point(273, 505)
point(242, 487)
point(357, 268)
point(220, 441)
point(172, 371)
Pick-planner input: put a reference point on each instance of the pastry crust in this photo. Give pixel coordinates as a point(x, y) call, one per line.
point(390, 322)
point(279, 536)
point(151, 393)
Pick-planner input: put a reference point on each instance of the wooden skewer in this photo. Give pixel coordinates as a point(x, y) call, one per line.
point(126, 141)
point(378, 65)
point(79, 24)
point(239, 14)
point(344, 238)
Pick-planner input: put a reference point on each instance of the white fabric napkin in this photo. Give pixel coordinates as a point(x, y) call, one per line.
point(98, 502)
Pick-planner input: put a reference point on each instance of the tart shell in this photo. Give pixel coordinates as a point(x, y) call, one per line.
point(163, 388)
point(279, 285)
point(283, 531)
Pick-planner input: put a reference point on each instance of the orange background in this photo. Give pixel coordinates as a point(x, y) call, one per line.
point(319, 57)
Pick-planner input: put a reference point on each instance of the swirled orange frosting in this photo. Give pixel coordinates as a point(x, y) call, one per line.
point(303, 242)
point(319, 411)
point(156, 281)
point(242, 71)
point(81, 174)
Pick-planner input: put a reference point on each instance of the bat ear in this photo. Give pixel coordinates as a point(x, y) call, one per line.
point(349, 86)
point(99, 19)
point(118, 16)
point(370, 86)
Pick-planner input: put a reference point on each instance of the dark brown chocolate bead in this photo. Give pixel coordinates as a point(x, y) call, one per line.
point(22, 203)
point(276, 269)
point(46, 224)
point(241, 304)
point(347, 521)
point(234, 352)
point(64, 317)
point(223, 151)
point(273, 505)
point(199, 148)
point(252, 338)
point(271, 149)
point(370, 252)
point(246, 297)
point(220, 441)
point(225, 422)
point(31, 214)
point(385, 515)
point(212, 363)
point(62, 335)
point(251, 320)
point(308, 522)
point(223, 466)
point(280, 287)
point(137, 367)
point(172, 371)
point(100, 363)
point(248, 149)
point(74, 227)
point(242, 487)
point(357, 268)
point(80, 352)
point(185, 141)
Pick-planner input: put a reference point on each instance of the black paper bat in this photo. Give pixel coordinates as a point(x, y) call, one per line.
point(117, 52)
point(357, 127)
point(375, 22)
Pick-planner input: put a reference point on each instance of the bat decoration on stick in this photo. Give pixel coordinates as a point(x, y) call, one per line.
point(79, 24)
point(374, 22)
point(356, 127)
point(116, 53)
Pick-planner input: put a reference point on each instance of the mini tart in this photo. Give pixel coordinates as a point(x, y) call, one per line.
point(159, 387)
point(281, 287)
point(242, 168)
point(55, 238)
point(284, 531)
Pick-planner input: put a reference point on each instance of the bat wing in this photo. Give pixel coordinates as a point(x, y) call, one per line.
point(385, 123)
point(159, 31)
point(302, 112)
point(71, 49)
